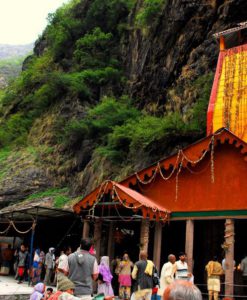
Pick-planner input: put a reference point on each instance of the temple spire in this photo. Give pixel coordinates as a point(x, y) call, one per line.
point(228, 100)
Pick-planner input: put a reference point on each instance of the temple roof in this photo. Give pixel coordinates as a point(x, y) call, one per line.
point(124, 193)
point(125, 197)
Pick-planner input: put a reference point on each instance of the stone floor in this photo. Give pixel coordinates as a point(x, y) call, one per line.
point(9, 286)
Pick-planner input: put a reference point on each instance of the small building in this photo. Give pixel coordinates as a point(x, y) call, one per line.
point(195, 200)
point(39, 225)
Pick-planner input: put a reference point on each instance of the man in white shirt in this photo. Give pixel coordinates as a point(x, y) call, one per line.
point(181, 268)
point(167, 274)
point(63, 264)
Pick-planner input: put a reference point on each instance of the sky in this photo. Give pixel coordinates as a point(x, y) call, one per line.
point(22, 21)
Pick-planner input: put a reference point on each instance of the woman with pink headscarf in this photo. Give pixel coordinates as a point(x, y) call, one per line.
point(105, 277)
point(38, 292)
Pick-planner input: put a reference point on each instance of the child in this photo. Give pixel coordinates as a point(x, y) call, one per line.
point(48, 293)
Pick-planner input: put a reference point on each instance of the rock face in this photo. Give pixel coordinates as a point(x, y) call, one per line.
point(161, 62)
point(178, 48)
point(21, 175)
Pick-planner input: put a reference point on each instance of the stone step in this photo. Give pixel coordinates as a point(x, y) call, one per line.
point(15, 297)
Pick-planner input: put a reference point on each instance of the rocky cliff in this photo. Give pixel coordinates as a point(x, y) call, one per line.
point(111, 88)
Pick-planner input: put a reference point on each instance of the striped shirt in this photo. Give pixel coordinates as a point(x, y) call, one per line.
point(181, 270)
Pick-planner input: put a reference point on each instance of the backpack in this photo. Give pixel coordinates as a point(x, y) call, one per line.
point(155, 277)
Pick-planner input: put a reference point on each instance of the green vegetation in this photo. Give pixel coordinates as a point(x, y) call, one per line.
point(100, 120)
point(10, 68)
point(139, 134)
point(203, 86)
point(119, 128)
point(15, 128)
point(81, 58)
point(72, 91)
point(149, 12)
point(4, 153)
point(89, 54)
point(60, 196)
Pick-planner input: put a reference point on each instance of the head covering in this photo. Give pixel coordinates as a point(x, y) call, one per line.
point(36, 258)
point(104, 269)
point(37, 294)
point(65, 284)
point(51, 249)
point(104, 261)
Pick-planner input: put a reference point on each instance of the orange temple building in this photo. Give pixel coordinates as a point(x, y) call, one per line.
point(195, 200)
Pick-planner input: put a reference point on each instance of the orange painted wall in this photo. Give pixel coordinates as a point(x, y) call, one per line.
point(197, 193)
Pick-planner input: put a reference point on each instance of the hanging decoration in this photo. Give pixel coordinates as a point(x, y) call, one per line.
point(182, 160)
point(148, 210)
point(12, 224)
point(6, 230)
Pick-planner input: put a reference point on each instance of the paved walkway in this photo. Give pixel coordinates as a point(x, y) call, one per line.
point(9, 286)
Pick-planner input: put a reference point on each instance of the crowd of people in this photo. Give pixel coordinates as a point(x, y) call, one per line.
point(74, 274)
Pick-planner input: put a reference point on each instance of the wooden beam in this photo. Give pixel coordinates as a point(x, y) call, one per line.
point(144, 236)
point(157, 245)
point(86, 229)
point(189, 243)
point(111, 244)
point(229, 258)
point(97, 237)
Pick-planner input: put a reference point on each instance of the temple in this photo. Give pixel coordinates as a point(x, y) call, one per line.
point(195, 200)
point(228, 101)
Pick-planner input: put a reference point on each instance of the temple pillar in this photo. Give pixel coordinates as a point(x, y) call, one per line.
point(144, 236)
point(86, 229)
point(157, 244)
point(189, 243)
point(229, 258)
point(111, 244)
point(97, 237)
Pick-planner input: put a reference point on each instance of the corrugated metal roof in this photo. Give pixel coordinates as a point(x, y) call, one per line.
point(38, 209)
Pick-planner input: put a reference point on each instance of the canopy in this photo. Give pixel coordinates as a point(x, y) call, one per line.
point(124, 197)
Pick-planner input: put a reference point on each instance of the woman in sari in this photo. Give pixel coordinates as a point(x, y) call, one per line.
point(124, 277)
point(37, 267)
point(105, 277)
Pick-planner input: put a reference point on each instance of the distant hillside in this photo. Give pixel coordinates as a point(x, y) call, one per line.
point(9, 69)
point(11, 59)
point(10, 51)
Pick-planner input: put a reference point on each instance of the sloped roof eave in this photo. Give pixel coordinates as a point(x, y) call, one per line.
point(200, 146)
